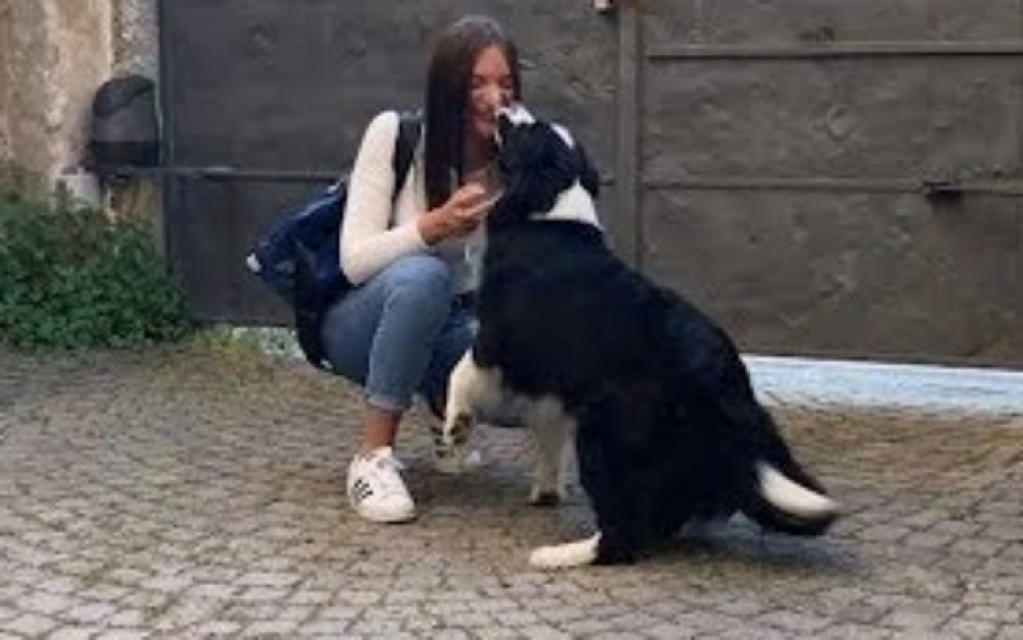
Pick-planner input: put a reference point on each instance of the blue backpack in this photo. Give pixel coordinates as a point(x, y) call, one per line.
point(299, 257)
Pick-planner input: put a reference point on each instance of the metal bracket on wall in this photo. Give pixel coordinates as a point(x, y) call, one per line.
point(223, 173)
point(826, 50)
point(925, 186)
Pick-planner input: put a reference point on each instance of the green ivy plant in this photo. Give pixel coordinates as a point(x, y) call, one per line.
point(72, 278)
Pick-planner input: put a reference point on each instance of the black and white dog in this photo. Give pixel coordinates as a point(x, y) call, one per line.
point(667, 428)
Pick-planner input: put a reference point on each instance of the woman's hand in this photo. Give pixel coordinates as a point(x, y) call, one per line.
point(459, 216)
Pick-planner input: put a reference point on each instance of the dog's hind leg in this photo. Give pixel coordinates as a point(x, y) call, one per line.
point(551, 427)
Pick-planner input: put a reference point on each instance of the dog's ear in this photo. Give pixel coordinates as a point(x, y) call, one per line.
point(585, 172)
point(589, 178)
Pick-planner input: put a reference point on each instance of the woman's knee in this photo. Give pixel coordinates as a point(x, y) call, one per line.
point(407, 302)
point(419, 278)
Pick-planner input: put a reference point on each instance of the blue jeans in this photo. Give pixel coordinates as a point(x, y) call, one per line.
point(400, 332)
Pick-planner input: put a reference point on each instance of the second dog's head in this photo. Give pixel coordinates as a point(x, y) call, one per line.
point(539, 162)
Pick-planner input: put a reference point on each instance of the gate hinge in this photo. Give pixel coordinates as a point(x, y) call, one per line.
point(941, 189)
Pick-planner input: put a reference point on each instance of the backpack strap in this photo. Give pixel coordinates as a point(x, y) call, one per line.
point(409, 126)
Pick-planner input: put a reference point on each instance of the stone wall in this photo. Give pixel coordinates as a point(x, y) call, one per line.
point(53, 56)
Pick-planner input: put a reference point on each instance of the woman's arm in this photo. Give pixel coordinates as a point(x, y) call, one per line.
point(368, 242)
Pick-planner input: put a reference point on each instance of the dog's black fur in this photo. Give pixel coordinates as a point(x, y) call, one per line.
point(669, 429)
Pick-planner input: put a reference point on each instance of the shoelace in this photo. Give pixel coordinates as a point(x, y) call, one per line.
point(385, 471)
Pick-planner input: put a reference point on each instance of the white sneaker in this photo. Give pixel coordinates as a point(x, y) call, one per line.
point(376, 490)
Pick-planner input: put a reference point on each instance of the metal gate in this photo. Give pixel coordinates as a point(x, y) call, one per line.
point(833, 178)
point(825, 178)
point(264, 102)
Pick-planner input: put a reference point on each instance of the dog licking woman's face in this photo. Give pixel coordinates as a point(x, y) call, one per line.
point(491, 88)
point(509, 117)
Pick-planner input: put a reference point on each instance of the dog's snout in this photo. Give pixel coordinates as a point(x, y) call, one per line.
point(510, 116)
point(515, 114)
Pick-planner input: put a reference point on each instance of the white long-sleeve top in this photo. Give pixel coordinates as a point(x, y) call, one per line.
point(377, 230)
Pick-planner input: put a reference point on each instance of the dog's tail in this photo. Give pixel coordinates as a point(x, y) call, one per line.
point(778, 495)
point(784, 498)
point(775, 491)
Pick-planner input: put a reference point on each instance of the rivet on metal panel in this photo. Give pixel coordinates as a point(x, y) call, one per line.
point(945, 190)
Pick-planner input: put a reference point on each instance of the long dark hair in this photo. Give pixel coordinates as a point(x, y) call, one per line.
point(447, 95)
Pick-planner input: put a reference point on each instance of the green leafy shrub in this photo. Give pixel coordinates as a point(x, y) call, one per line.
point(70, 277)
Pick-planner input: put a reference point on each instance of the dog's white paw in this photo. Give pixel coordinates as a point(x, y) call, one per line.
point(564, 556)
point(457, 461)
point(546, 495)
point(457, 429)
point(451, 452)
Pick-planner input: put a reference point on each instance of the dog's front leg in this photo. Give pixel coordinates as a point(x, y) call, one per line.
point(471, 389)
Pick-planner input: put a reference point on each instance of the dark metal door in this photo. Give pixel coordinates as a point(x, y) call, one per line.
point(276, 94)
point(834, 178)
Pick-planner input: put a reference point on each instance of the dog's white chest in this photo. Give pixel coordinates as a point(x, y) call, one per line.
point(573, 204)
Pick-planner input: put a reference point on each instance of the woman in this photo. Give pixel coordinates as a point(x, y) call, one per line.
point(407, 323)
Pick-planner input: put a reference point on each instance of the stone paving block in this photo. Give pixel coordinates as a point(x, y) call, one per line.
point(929, 539)
point(47, 603)
point(31, 625)
point(846, 631)
point(1010, 632)
point(1007, 614)
point(133, 618)
point(914, 634)
point(793, 622)
point(972, 629)
point(376, 628)
point(543, 632)
point(215, 628)
point(331, 629)
point(671, 632)
point(186, 613)
point(338, 612)
point(745, 631)
point(270, 628)
point(499, 633)
point(93, 612)
point(918, 617)
point(74, 633)
point(708, 622)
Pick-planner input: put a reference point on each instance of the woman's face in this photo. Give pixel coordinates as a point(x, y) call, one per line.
point(490, 88)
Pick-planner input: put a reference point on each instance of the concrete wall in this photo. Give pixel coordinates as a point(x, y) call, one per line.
point(53, 56)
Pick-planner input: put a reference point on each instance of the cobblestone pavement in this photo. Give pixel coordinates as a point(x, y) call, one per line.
point(194, 491)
